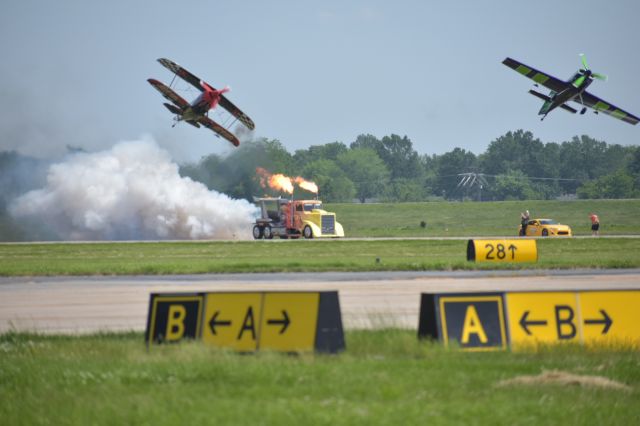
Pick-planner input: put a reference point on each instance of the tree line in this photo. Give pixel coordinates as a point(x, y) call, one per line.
point(515, 166)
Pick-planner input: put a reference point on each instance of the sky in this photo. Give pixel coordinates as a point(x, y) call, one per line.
point(73, 73)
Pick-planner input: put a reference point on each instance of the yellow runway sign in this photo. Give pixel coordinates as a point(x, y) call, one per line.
point(250, 321)
point(473, 321)
point(502, 251)
point(477, 321)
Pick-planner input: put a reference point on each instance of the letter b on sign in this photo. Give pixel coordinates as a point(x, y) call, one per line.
point(174, 318)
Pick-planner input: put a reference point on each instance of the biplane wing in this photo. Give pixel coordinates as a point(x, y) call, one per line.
point(197, 83)
point(236, 112)
point(592, 101)
point(181, 72)
point(169, 94)
point(207, 122)
point(547, 80)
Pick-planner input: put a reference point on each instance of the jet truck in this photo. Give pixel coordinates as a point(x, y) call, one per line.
point(284, 218)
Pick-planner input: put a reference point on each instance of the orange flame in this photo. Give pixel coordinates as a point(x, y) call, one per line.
point(307, 185)
point(280, 182)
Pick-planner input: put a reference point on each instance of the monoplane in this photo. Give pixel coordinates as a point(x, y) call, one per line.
point(573, 89)
point(197, 112)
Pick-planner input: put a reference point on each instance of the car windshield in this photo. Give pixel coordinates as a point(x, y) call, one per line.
point(309, 207)
point(548, 222)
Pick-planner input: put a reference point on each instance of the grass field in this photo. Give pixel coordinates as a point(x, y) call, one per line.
point(300, 255)
point(491, 218)
point(384, 377)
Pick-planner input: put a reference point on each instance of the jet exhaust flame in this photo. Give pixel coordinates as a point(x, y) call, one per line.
point(280, 182)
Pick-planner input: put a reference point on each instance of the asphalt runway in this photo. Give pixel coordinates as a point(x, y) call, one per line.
point(75, 305)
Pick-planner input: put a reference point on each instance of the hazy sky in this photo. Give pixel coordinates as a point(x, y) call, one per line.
point(308, 73)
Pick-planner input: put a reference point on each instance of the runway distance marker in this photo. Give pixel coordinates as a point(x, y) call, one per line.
point(503, 251)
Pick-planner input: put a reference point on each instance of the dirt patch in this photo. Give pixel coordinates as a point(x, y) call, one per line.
point(556, 377)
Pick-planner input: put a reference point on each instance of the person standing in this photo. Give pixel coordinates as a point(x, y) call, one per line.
point(595, 224)
point(524, 221)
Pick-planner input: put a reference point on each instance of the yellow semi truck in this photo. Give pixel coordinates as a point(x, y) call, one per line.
point(280, 217)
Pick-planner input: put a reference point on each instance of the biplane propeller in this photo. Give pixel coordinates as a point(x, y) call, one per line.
point(573, 89)
point(196, 112)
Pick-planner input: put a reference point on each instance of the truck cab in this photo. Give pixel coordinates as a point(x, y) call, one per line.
point(286, 218)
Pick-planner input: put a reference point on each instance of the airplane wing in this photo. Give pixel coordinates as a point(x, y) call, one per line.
point(606, 107)
point(207, 122)
point(181, 72)
point(548, 81)
point(168, 93)
point(236, 112)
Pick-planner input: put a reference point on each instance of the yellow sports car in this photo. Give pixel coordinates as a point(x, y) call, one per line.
point(545, 228)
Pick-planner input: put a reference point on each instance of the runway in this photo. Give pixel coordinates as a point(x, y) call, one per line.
point(76, 305)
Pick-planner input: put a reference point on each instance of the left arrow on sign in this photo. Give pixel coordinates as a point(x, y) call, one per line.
point(213, 323)
point(525, 323)
point(606, 321)
point(284, 321)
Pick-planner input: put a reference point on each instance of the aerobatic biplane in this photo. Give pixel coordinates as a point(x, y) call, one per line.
point(196, 112)
point(573, 89)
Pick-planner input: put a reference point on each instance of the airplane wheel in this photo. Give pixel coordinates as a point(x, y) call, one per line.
point(267, 233)
point(545, 233)
point(257, 232)
point(307, 232)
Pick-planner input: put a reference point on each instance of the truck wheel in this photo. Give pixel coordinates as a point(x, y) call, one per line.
point(267, 232)
point(545, 233)
point(307, 232)
point(257, 232)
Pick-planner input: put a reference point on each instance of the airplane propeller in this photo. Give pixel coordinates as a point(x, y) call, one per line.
point(586, 72)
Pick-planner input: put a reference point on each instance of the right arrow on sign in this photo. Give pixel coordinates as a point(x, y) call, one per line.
point(606, 321)
point(525, 323)
point(284, 321)
point(213, 323)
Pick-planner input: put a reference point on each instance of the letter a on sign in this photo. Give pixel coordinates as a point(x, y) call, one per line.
point(248, 324)
point(472, 325)
point(476, 322)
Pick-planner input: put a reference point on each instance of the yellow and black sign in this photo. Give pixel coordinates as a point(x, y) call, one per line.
point(174, 317)
point(576, 316)
point(281, 321)
point(475, 322)
point(505, 251)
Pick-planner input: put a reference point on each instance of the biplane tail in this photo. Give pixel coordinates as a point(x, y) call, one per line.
point(174, 109)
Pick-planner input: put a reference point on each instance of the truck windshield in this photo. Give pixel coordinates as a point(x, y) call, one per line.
point(309, 207)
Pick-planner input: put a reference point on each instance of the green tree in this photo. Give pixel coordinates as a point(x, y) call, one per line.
point(449, 166)
point(333, 183)
point(366, 170)
point(619, 184)
point(329, 151)
point(404, 190)
point(235, 175)
point(513, 185)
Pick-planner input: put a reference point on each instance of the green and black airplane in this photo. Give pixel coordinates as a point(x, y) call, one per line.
point(573, 89)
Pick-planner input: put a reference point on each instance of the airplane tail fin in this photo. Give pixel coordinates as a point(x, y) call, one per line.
point(547, 103)
point(174, 109)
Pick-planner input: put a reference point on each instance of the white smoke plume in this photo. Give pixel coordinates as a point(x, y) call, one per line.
point(132, 191)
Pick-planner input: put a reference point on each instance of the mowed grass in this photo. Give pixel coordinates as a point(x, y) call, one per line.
point(487, 218)
point(296, 256)
point(384, 377)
